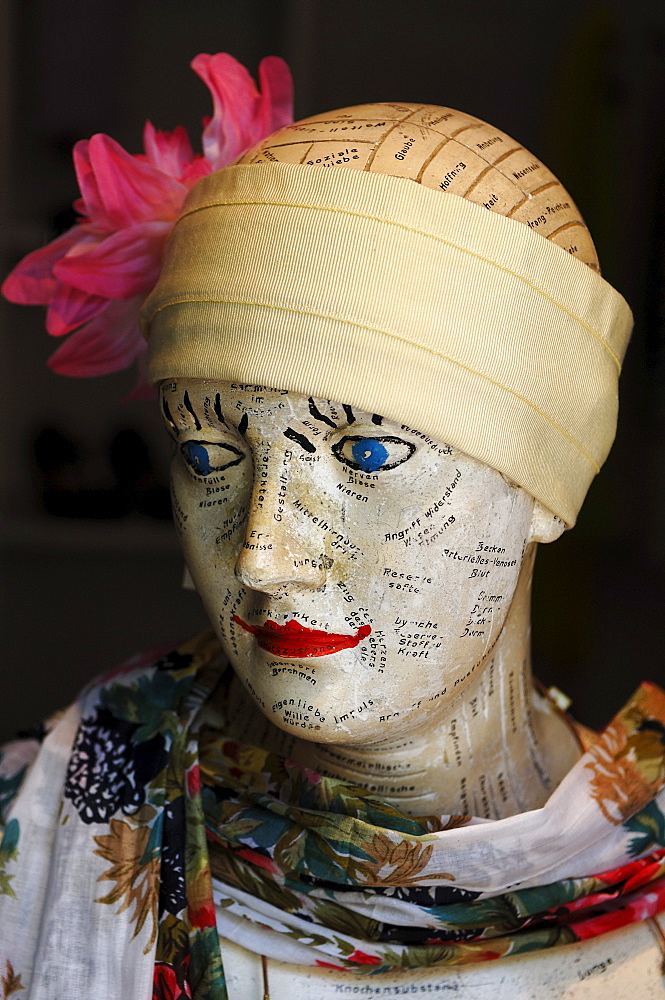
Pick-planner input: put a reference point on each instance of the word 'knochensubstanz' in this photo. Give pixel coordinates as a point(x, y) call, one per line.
point(392, 991)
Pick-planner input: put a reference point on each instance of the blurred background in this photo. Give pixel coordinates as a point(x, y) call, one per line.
point(90, 570)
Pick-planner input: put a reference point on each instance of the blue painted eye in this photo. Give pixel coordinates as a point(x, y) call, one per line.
point(204, 457)
point(369, 454)
point(372, 454)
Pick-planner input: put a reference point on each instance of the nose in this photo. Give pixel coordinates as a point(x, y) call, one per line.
point(275, 552)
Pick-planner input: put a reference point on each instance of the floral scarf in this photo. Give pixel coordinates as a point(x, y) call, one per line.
point(137, 832)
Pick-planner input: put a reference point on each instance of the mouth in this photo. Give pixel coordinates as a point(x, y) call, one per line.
point(295, 641)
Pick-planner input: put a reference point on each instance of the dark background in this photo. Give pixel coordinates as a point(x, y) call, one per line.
point(581, 84)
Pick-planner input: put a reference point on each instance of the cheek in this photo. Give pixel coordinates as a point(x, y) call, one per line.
point(210, 518)
point(446, 582)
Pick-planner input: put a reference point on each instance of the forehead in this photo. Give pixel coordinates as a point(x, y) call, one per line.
point(205, 387)
point(202, 400)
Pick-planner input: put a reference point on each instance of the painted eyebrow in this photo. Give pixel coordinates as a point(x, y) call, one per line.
point(242, 426)
point(188, 405)
point(350, 418)
point(316, 413)
point(299, 439)
point(167, 414)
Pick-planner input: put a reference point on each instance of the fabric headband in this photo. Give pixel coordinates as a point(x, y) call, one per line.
point(428, 309)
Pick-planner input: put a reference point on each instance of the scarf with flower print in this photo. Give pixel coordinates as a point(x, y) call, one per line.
point(136, 831)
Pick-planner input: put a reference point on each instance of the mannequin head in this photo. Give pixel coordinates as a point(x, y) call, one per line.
point(350, 284)
point(317, 516)
point(390, 532)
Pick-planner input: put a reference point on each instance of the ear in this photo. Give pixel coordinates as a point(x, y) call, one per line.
point(545, 526)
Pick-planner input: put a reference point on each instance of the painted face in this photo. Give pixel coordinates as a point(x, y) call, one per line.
point(356, 571)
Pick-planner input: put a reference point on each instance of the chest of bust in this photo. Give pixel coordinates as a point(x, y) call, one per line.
point(622, 965)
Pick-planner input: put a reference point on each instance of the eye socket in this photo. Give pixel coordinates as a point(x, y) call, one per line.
point(204, 457)
point(372, 454)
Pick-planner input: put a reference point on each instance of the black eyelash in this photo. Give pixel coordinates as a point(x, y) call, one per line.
point(316, 413)
point(167, 414)
point(188, 406)
point(217, 407)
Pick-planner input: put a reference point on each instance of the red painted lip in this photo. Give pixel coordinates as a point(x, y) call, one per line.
point(296, 641)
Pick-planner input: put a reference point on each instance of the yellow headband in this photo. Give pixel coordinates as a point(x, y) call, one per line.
point(421, 306)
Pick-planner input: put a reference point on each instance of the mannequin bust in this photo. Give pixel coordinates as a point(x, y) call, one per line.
point(381, 399)
point(322, 572)
point(370, 584)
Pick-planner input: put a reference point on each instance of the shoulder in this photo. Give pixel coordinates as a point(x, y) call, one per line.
point(116, 718)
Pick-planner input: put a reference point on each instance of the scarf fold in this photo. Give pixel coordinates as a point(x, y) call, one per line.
point(136, 830)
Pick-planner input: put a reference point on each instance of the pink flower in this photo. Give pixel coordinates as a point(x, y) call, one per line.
point(94, 278)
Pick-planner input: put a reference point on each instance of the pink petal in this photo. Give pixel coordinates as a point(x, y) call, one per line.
point(119, 189)
point(69, 307)
point(276, 105)
point(32, 282)
point(198, 168)
point(108, 343)
point(242, 116)
point(121, 266)
point(235, 103)
point(170, 152)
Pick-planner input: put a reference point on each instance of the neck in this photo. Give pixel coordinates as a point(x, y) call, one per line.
point(497, 749)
